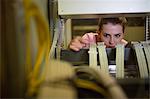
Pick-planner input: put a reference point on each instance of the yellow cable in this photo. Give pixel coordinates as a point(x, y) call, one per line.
point(32, 11)
point(27, 30)
point(90, 85)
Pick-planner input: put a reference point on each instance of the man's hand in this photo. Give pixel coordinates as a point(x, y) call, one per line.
point(77, 43)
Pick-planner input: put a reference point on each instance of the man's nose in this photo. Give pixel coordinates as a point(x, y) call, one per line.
point(111, 41)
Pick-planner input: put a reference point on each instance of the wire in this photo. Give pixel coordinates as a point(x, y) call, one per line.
point(44, 45)
point(90, 85)
point(113, 89)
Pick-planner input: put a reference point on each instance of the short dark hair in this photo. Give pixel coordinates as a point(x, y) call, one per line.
point(114, 20)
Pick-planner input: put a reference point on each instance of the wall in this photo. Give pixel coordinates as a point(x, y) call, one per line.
point(135, 33)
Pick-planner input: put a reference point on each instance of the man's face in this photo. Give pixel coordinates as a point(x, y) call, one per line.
point(111, 34)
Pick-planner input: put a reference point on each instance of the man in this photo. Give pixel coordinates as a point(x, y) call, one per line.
point(111, 32)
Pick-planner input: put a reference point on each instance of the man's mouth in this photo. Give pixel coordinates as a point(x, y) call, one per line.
point(110, 46)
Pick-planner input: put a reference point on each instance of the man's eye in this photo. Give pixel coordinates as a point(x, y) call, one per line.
point(106, 35)
point(117, 35)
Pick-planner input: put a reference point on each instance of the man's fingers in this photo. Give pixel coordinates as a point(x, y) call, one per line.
point(74, 48)
point(81, 40)
point(77, 45)
point(77, 39)
point(84, 41)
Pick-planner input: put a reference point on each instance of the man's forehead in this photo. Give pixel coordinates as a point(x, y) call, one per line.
point(109, 26)
point(114, 29)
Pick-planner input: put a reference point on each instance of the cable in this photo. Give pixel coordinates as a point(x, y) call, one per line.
point(33, 72)
point(103, 57)
point(81, 83)
point(120, 61)
point(113, 89)
point(140, 59)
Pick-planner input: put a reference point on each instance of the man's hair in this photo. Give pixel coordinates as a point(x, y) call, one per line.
point(113, 20)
